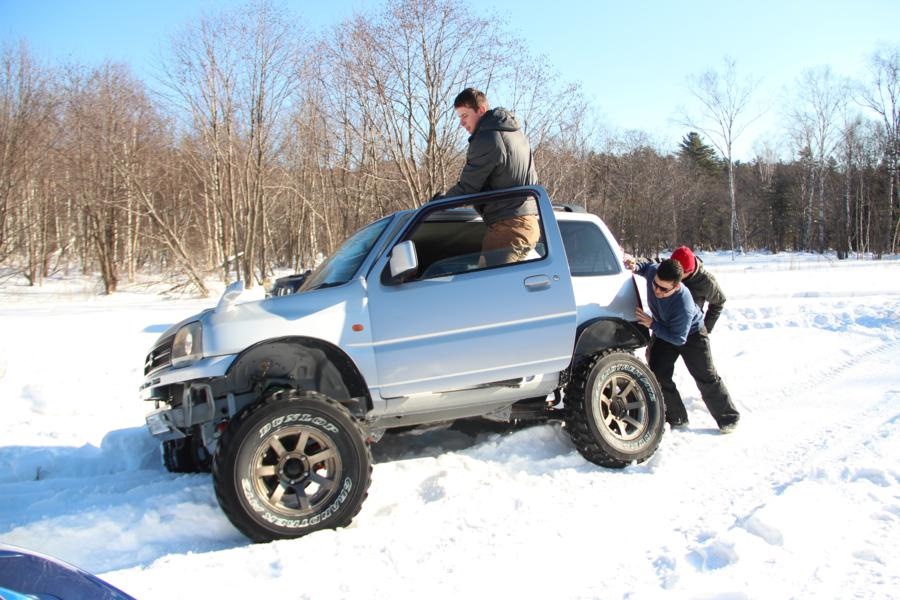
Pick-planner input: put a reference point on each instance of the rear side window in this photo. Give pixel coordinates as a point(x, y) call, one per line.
point(587, 249)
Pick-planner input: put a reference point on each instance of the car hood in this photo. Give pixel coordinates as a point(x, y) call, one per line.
point(327, 314)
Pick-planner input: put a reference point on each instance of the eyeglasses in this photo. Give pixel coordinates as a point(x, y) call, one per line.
point(661, 289)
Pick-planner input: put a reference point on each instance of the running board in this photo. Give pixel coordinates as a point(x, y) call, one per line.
point(505, 383)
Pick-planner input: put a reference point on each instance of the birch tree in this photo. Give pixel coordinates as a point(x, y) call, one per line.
point(882, 96)
point(234, 75)
point(724, 102)
point(27, 106)
point(818, 105)
point(104, 111)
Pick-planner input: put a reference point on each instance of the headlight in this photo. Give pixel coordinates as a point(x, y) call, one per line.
point(188, 345)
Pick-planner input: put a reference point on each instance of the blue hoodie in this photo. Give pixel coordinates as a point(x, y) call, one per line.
point(675, 317)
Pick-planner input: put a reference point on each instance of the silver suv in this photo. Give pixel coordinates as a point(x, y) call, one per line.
point(402, 326)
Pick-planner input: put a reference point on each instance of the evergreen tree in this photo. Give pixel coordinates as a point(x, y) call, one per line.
point(695, 150)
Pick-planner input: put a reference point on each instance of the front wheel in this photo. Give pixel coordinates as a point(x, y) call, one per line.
point(293, 464)
point(614, 410)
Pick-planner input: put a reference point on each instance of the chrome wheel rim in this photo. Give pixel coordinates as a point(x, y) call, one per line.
point(295, 470)
point(620, 406)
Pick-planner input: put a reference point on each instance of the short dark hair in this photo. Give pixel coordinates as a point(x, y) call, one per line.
point(471, 98)
point(670, 270)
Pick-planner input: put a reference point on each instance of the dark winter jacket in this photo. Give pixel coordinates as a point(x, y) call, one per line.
point(498, 157)
point(675, 317)
point(704, 288)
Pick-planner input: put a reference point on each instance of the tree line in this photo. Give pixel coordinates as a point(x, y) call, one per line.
point(262, 146)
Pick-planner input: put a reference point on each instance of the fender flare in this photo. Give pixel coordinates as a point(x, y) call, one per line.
point(603, 333)
point(301, 362)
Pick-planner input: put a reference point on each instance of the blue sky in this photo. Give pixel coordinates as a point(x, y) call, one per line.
point(632, 57)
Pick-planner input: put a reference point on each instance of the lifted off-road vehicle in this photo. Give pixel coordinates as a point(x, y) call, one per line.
point(403, 326)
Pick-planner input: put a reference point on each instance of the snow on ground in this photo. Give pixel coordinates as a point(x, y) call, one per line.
point(802, 501)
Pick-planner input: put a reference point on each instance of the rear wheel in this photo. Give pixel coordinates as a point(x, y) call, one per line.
point(293, 464)
point(614, 410)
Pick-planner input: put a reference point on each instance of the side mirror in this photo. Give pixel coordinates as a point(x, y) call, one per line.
point(404, 260)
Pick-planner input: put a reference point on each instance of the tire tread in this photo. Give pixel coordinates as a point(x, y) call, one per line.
point(230, 504)
point(577, 410)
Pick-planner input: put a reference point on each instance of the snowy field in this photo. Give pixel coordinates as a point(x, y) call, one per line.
point(802, 501)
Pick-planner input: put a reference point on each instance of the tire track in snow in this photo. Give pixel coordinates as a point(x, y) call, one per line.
point(812, 422)
point(822, 377)
point(797, 455)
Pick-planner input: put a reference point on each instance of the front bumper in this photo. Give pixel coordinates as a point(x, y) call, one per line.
point(196, 407)
point(162, 424)
point(183, 396)
point(203, 369)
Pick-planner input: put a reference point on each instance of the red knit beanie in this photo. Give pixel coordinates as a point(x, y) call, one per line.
point(684, 255)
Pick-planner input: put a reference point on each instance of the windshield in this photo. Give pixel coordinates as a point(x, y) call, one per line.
point(342, 264)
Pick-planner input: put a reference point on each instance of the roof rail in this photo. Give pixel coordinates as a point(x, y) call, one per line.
point(573, 208)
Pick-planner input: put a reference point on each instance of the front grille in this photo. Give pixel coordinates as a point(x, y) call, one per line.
point(160, 356)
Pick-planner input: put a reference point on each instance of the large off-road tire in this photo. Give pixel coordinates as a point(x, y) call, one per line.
point(615, 413)
point(295, 463)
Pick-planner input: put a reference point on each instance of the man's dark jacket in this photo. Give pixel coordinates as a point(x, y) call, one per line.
point(704, 288)
point(498, 157)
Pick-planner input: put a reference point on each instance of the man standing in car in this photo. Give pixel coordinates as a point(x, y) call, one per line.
point(498, 157)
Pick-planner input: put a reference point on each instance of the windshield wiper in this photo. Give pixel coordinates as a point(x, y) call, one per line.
point(327, 284)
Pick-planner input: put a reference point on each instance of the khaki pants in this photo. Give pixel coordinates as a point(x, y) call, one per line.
point(509, 240)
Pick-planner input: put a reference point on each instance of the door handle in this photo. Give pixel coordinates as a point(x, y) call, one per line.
point(537, 282)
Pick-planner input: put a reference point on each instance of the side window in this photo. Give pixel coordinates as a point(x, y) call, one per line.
point(587, 249)
point(456, 240)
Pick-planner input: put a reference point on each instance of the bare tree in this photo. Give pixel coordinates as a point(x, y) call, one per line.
point(560, 139)
point(26, 109)
point(401, 69)
point(258, 157)
point(882, 96)
point(105, 108)
point(818, 105)
point(390, 81)
point(308, 148)
point(850, 157)
point(724, 101)
point(234, 75)
point(199, 74)
point(562, 149)
point(268, 83)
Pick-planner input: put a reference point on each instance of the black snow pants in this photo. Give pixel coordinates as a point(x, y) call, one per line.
point(698, 359)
